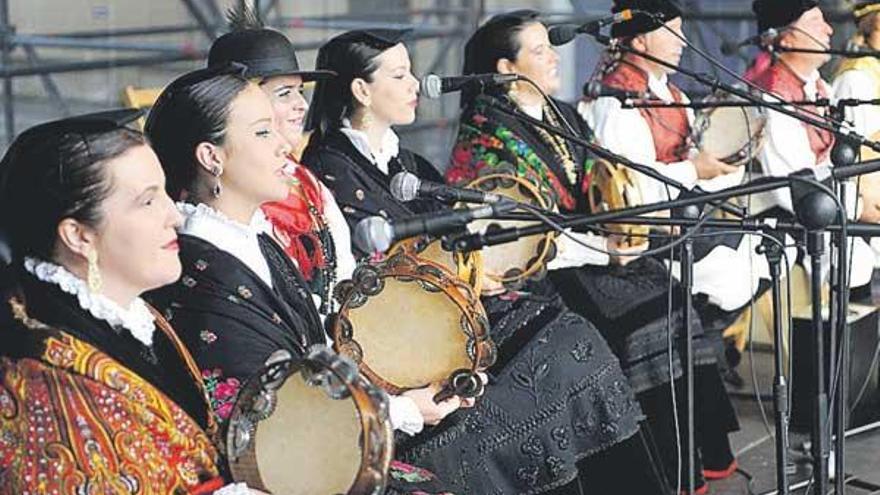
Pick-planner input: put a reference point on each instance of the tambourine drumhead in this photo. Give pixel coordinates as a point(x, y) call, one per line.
point(428, 341)
point(513, 262)
point(613, 187)
point(312, 435)
point(410, 323)
point(732, 134)
point(310, 427)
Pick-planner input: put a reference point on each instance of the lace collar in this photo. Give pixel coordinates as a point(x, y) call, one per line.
point(390, 145)
point(137, 318)
point(228, 235)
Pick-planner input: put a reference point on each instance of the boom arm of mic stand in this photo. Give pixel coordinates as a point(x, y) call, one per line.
point(474, 242)
point(830, 51)
point(699, 105)
point(837, 128)
point(608, 155)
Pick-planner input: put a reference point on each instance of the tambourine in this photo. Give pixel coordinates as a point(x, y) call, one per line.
point(513, 263)
point(410, 323)
point(310, 427)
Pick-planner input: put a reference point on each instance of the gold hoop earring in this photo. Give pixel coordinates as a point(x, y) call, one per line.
point(217, 190)
point(93, 278)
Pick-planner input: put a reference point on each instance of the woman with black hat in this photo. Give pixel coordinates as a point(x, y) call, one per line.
point(558, 414)
point(308, 223)
point(241, 298)
point(628, 300)
point(97, 392)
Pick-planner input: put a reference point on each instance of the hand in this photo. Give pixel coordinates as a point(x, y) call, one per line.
point(626, 253)
point(431, 411)
point(472, 401)
point(709, 167)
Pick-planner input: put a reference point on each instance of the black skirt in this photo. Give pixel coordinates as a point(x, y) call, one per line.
point(556, 395)
point(630, 306)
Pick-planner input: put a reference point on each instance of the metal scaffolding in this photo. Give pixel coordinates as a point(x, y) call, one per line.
point(449, 24)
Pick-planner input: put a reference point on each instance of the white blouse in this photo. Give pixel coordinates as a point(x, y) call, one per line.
point(360, 140)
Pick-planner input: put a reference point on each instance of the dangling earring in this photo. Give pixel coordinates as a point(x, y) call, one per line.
point(513, 91)
point(93, 279)
point(217, 189)
point(366, 119)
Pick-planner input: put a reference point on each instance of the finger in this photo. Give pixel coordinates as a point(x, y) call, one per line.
point(483, 376)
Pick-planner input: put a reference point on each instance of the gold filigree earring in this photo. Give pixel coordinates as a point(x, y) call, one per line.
point(93, 279)
point(365, 119)
point(217, 190)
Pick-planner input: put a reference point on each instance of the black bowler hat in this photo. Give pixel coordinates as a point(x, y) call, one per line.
point(647, 16)
point(776, 14)
point(265, 52)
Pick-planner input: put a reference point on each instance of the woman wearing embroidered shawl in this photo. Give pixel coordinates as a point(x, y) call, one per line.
point(626, 299)
point(97, 393)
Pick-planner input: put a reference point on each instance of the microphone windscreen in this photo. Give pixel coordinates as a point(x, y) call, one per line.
point(373, 234)
point(405, 186)
point(432, 86)
point(562, 34)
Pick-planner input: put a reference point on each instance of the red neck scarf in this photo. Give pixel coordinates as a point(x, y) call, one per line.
point(781, 80)
point(296, 226)
point(669, 126)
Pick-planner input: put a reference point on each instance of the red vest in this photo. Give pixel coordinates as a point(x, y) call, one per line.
point(669, 126)
point(781, 80)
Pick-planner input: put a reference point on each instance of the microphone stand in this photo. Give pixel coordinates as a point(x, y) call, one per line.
point(814, 244)
point(829, 51)
point(700, 105)
point(814, 233)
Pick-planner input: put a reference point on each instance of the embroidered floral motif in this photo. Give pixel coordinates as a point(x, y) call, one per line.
point(560, 435)
point(532, 447)
point(122, 434)
point(528, 475)
point(244, 292)
point(208, 336)
point(409, 473)
point(582, 351)
point(201, 265)
point(479, 141)
point(555, 466)
point(222, 392)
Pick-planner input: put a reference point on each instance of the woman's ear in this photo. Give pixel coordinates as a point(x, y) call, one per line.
point(76, 237)
point(505, 66)
point(210, 157)
point(360, 89)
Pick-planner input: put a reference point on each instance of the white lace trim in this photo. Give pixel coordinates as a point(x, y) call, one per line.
point(137, 318)
point(259, 222)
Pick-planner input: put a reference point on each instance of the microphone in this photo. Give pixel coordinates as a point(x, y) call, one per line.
point(764, 38)
point(595, 89)
point(561, 34)
point(377, 234)
point(406, 186)
point(433, 85)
